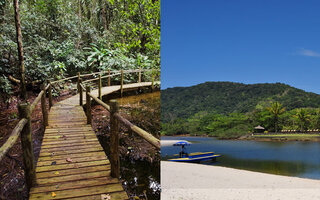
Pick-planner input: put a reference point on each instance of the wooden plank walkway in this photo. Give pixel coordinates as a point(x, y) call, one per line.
point(74, 100)
point(72, 163)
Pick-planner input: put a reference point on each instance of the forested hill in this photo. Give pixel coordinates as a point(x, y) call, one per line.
point(228, 97)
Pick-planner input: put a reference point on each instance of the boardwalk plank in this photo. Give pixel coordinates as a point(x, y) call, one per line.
point(79, 192)
point(64, 172)
point(72, 156)
point(74, 184)
point(74, 160)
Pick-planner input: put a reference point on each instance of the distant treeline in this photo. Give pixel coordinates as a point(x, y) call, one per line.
point(229, 110)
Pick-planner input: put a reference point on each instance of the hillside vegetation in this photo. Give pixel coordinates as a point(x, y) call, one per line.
point(227, 109)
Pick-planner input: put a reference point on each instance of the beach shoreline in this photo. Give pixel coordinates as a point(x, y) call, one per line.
point(186, 181)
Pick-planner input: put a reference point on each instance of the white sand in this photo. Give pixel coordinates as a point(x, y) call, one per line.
point(170, 142)
point(184, 181)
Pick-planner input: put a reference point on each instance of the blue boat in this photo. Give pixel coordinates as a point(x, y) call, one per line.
point(183, 156)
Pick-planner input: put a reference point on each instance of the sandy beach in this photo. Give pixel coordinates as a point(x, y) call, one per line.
point(184, 181)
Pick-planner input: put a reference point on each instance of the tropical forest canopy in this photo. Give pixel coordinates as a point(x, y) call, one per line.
point(61, 38)
point(229, 110)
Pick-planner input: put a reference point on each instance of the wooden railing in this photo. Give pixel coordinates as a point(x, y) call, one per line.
point(115, 118)
point(23, 127)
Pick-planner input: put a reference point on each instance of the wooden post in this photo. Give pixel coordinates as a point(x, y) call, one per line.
point(78, 82)
point(109, 78)
point(88, 102)
point(50, 95)
point(121, 87)
point(27, 146)
point(114, 138)
point(80, 94)
point(139, 75)
point(99, 87)
point(43, 107)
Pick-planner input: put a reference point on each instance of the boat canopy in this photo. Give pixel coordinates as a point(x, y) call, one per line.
point(182, 143)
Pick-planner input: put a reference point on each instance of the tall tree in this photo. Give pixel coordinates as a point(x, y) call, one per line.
point(20, 50)
point(276, 110)
point(303, 118)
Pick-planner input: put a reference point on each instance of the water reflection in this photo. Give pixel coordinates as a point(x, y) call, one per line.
point(299, 159)
point(138, 99)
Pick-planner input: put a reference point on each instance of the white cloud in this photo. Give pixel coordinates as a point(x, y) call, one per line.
point(307, 52)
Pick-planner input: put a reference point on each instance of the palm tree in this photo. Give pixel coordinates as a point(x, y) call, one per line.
point(303, 118)
point(276, 110)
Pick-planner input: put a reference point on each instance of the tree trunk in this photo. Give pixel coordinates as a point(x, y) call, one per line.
point(20, 50)
point(276, 124)
point(104, 17)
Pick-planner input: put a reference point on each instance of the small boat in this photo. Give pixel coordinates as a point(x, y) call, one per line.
point(183, 156)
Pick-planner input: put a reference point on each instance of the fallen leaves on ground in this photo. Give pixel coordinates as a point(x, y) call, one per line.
point(53, 194)
point(105, 197)
point(69, 160)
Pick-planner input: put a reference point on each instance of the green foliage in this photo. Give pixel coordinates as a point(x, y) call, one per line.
point(303, 118)
point(5, 89)
point(229, 110)
point(275, 110)
point(57, 34)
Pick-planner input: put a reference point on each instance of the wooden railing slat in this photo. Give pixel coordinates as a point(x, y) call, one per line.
point(142, 133)
point(36, 101)
point(12, 138)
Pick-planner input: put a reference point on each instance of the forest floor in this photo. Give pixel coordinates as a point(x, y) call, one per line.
point(12, 181)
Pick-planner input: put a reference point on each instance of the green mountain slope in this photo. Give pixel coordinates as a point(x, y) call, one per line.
point(228, 97)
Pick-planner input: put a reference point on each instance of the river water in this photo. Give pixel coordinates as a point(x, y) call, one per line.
point(142, 178)
point(300, 159)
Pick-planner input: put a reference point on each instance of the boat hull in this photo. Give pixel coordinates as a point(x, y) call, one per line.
point(197, 157)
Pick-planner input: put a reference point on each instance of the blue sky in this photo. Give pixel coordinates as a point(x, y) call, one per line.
point(256, 41)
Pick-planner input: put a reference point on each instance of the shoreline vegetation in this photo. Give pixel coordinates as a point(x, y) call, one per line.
point(315, 137)
point(228, 110)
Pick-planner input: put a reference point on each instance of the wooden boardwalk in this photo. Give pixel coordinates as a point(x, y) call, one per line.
point(74, 100)
point(72, 163)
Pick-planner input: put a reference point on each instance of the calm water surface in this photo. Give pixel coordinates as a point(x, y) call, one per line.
point(141, 177)
point(300, 159)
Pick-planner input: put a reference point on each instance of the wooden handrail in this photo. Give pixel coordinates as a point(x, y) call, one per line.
point(101, 72)
point(36, 101)
point(65, 79)
point(83, 88)
point(47, 87)
point(142, 133)
point(20, 125)
point(12, 138)
point(106, 106)
point(95, 79)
